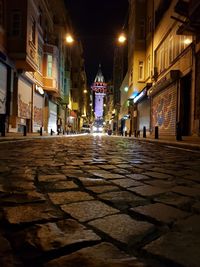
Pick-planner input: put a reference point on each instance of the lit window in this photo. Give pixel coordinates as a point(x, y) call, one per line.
point(40, 58)
point(49, 65)
point(141, 71)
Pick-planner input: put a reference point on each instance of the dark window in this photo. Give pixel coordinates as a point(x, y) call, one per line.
point(16, 23)
point(1, 13)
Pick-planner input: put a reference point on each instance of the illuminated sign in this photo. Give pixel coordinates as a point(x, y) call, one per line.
point(39, 89)
point(138, 97)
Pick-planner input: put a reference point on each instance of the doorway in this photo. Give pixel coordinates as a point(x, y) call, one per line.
point(185, 104)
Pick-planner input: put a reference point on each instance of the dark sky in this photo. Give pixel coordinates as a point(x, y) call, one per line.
point(97, 24)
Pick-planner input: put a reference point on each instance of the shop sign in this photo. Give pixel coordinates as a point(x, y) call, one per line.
point(39, 90)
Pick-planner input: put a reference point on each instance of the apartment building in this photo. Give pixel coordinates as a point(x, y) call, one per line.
point(161, 69)
point(35, 65)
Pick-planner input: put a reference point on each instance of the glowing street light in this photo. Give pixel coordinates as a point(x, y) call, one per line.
point(69, 39)
point(85, 91)
point(122, 38)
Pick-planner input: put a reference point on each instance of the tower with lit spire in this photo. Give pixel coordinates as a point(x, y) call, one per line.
point(99, 88)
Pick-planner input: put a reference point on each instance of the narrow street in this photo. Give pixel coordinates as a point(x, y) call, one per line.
point(94, 201)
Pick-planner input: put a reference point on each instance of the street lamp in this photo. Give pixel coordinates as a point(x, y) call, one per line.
point(122, 38)
point(69, 38)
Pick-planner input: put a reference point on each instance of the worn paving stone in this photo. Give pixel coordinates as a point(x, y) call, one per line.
point(93, 181)
point(103, 188)
point(137, 176)
point(123, 228)
point(158, 175)
point(30, 213)
point(102, 255)
point(7, 259)
point(22, 197)
point(68, 197)
point(52, 178)
point(53, 236)
point(161, 183)
point(123, 199)
point(62, 185)
point(88, 210)
point(148, 190)
point(187, 191)
point(160, 212)
point(181, 248)
point(126, 182)
point(189, 225)
point(174, 200)
point(106, 174)
point(196, 207)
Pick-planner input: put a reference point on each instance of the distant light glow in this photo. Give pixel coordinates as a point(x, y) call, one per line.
point(188, 41)
point(69, 39)
point(85, 91)
point(126, 89)
point(122, 38)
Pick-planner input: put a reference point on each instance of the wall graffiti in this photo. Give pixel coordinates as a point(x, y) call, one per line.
point(37, 116)
point(164, 110)
point(24, 109)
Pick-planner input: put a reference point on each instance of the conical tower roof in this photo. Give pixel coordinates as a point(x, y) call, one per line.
point(99, 77)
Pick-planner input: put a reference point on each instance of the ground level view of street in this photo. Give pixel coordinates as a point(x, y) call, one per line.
point(94, 201)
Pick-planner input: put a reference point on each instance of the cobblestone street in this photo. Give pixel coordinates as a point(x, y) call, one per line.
point(94, 201)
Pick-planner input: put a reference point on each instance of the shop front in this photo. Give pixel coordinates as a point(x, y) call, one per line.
point(3, 95)
point(38, 107)
point(52, 120)
point(142, 111)
point(24, 105)
point(164, 104)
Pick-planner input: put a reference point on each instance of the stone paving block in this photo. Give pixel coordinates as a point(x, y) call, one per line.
point(137, 176)
point(88, 210)
point(7, 259)
point(121, 171)
point(106, 174)
point(126, 182)
point(187, 191)
point(52, 236)
point(174, 200)
point(160, 212)
point(51, 178)
point(161, 183)
point(62, 185)
point(123, 199)
point(102, 255)
point(68, 197)
point(92, 181)
point(30, 213)
point(103, 188)
point(123, 228)
point(189, 225)
point(107, 167)
point(148, 190)
point(158, 175)
point(181, 248)
point(196, 207)
point(22, 197)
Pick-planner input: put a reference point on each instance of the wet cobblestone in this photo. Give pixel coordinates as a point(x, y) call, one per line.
point(98, 201)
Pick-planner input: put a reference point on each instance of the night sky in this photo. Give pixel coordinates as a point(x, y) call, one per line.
point(97, 23)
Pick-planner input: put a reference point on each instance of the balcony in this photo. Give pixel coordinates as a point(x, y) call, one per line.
point(50, 85)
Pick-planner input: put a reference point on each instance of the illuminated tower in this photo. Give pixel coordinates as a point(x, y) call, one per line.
point(99, 88)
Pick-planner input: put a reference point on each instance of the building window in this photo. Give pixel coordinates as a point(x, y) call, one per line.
point(16, 22)
point(141, 71)
point(149, 66)
point(33, 31)
point(1, 13)
point(40, 16)
point(142, 29)
point(40, 59)
point(49, 65)
point(171, 49)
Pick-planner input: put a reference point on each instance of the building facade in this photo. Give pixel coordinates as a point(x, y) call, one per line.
point(162, 69)
point(35, 65)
